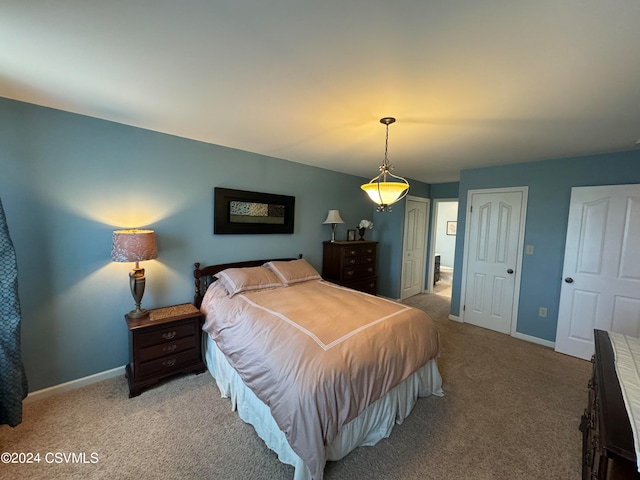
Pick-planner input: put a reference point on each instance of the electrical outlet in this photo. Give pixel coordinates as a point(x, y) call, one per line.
point(542, 311)
point(528, 250)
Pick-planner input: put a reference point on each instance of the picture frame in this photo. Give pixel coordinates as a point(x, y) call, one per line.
point(246, 212)
point(351, 234)
point(452, 228)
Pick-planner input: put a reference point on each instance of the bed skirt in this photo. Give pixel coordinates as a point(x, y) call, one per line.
point(371, 426)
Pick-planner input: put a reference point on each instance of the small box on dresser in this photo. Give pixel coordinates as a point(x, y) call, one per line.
point(165, 343)
point(351, 264)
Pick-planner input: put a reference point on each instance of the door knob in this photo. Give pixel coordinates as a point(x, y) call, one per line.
point(568, 280)
point(510, 271)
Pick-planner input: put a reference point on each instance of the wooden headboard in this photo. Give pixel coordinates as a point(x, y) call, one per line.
point(206, 276)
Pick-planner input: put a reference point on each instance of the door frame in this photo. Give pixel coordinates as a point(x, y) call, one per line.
point(427, 202)
point(519, 254)
point(432, 239)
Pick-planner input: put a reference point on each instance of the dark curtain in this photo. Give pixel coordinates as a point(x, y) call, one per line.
point(13, 381)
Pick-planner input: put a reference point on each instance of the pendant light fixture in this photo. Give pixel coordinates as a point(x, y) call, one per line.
point(386, 188)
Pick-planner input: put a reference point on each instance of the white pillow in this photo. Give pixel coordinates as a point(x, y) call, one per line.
point(293, 271)
point(238, 280)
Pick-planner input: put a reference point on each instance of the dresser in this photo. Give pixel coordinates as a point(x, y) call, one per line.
point(351, 264)
point(165, 343)
point(607, 439)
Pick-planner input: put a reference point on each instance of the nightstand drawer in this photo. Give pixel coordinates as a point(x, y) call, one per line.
point(168, 334)
point(167, 364)
point(167, 348)
point(164, 343)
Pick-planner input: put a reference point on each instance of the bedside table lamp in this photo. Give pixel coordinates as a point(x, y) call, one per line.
point(134, 246)
point(333, 218)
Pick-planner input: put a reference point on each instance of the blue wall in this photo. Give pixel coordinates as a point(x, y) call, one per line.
point(67, 181)
point(549, 185)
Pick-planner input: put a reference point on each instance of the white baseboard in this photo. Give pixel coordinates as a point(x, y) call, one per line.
point(539, 341)
point(74, 384)
point(521, 336)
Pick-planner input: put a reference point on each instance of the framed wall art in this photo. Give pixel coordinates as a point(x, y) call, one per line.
point(244, 212)
point(452, 228)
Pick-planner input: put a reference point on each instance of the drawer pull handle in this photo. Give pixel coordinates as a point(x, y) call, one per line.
point(350, 272)
point(169, 335)
point(170, 348)
point(169, 363)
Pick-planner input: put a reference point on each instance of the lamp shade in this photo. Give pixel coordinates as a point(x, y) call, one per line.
point(133, 246)
point(333, 217)
point(385, 193)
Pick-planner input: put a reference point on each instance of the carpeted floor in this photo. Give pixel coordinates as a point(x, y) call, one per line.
point(511, 410)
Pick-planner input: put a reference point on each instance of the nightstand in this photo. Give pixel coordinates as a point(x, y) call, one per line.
point(165, 343)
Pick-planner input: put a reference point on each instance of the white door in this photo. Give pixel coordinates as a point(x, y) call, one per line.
point(601, 274)
point(413, 261)
point(495, 230)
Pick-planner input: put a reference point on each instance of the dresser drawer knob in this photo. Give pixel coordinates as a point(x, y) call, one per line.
point(169, 335)
point(169, 363)
point(350, 272)
point(170, 348)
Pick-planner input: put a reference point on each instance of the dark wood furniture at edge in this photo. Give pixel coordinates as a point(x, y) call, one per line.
point(165, 343)
point(607, 440)
point(351, 264)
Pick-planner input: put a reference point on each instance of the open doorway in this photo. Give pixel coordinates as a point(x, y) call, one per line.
point(445, 216)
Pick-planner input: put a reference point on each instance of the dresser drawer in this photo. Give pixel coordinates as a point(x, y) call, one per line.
point(167, 364)
point(368, 260)
point(367, 286)
point(348, 263)
point(352, 251)
point(167, 348)
point(358, 272)
point(167, 334)
point(369, 250)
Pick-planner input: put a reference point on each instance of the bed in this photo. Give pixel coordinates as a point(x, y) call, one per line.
point(318, 369)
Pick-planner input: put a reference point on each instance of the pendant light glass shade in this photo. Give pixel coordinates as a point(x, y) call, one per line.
point(385, 193)
point(386, 188)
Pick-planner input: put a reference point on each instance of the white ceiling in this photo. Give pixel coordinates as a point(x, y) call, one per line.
point(471, 83)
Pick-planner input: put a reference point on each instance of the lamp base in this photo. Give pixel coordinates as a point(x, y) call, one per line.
point(138, 313)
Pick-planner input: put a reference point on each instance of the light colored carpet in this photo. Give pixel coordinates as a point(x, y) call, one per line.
point(511, 410)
